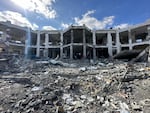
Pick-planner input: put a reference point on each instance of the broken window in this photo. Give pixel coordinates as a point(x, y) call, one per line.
point(124, 39)
point(78, 36)
point(67, 37)
point(113, 38)
point(42, 39)
point(140, 37)
point(77, 52)
point(54, 39)
point(101, 38)
point(33, 39)
point(88, 37)
point(102, 52)
point(53, 52)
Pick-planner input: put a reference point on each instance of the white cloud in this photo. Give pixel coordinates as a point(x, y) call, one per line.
point(48, 28)
point(43, 7)
point(121, 26)
point(17, 19)
point(64, 26)
point(93, 22)
point(34, 26)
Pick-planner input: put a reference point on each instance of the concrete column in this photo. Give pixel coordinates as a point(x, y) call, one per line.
point(46, 40)
point(148, 31)
point(71, 52)
point(84, 45)
point(109, 43)
point(46, 45)
point(26, 49)
point(133, 37)
point(94, 44)
point(27, 42)
point(38, 45)
point(71, 46)
point(61, 45)
point(149, 56)
point(6, 40)
point(118, 42)
point(4, 36)
point(148, 38)
point(72, 37)
point(130, 39)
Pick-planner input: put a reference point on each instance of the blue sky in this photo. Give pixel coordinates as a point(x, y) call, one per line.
point(59, 14)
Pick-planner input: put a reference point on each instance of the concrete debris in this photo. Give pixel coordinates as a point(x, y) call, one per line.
point(55, 62)
point(56, 86)
point(42, 62)
point(127, 54)
point(82, 69)
point(101, 64)
point(143, 56)
point(136, 107)
point(134, 55)
point(36, 88)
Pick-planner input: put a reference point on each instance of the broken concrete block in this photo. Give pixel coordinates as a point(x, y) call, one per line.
point(136, 106)
point(82, 69)
point(101, 64)
point(60, 109)
point(42, 62)
point(36, 88)
point(54, 62)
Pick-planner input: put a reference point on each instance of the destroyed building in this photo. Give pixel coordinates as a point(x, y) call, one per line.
point(72, 86)
point(75, 42)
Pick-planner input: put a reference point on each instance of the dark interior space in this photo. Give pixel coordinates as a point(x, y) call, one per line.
point(54, 39)
point(53, 52)
point(89, 53)
point(42, 39)
point(77, 52)
point(124, 37)
point(66, 52)
point(67, 37)
point(102, 53)
point(78, 36)
point(101, 39)
point(33, 39)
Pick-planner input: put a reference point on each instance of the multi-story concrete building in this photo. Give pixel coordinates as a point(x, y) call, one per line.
point(76, 42)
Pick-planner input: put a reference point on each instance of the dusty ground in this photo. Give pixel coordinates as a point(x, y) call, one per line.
point(28, 87)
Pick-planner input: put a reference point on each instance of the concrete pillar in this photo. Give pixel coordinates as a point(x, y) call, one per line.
point(118, 42)
point(61, 45)
point(26, 49)
point(27, 42)
point(130, 39)
point(71, 52)
point(4, 36)
point(148, 31)
point(133, 37)
point(71, 46)
point(6, 40)
point(148, 38)
point(109, 43)
point(38, 45)
point(46, 40)
point(46, 45)
point(84, 45)
point(94, 44)
point(149, 56)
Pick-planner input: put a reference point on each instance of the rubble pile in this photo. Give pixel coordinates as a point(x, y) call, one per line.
point(48, 87)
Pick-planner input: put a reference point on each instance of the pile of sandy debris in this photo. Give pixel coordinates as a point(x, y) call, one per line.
point(74, 87)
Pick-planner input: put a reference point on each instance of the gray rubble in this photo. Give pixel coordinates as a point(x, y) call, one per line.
point(43, 87)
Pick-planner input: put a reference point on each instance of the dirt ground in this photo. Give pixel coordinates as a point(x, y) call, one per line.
point(83, 87)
